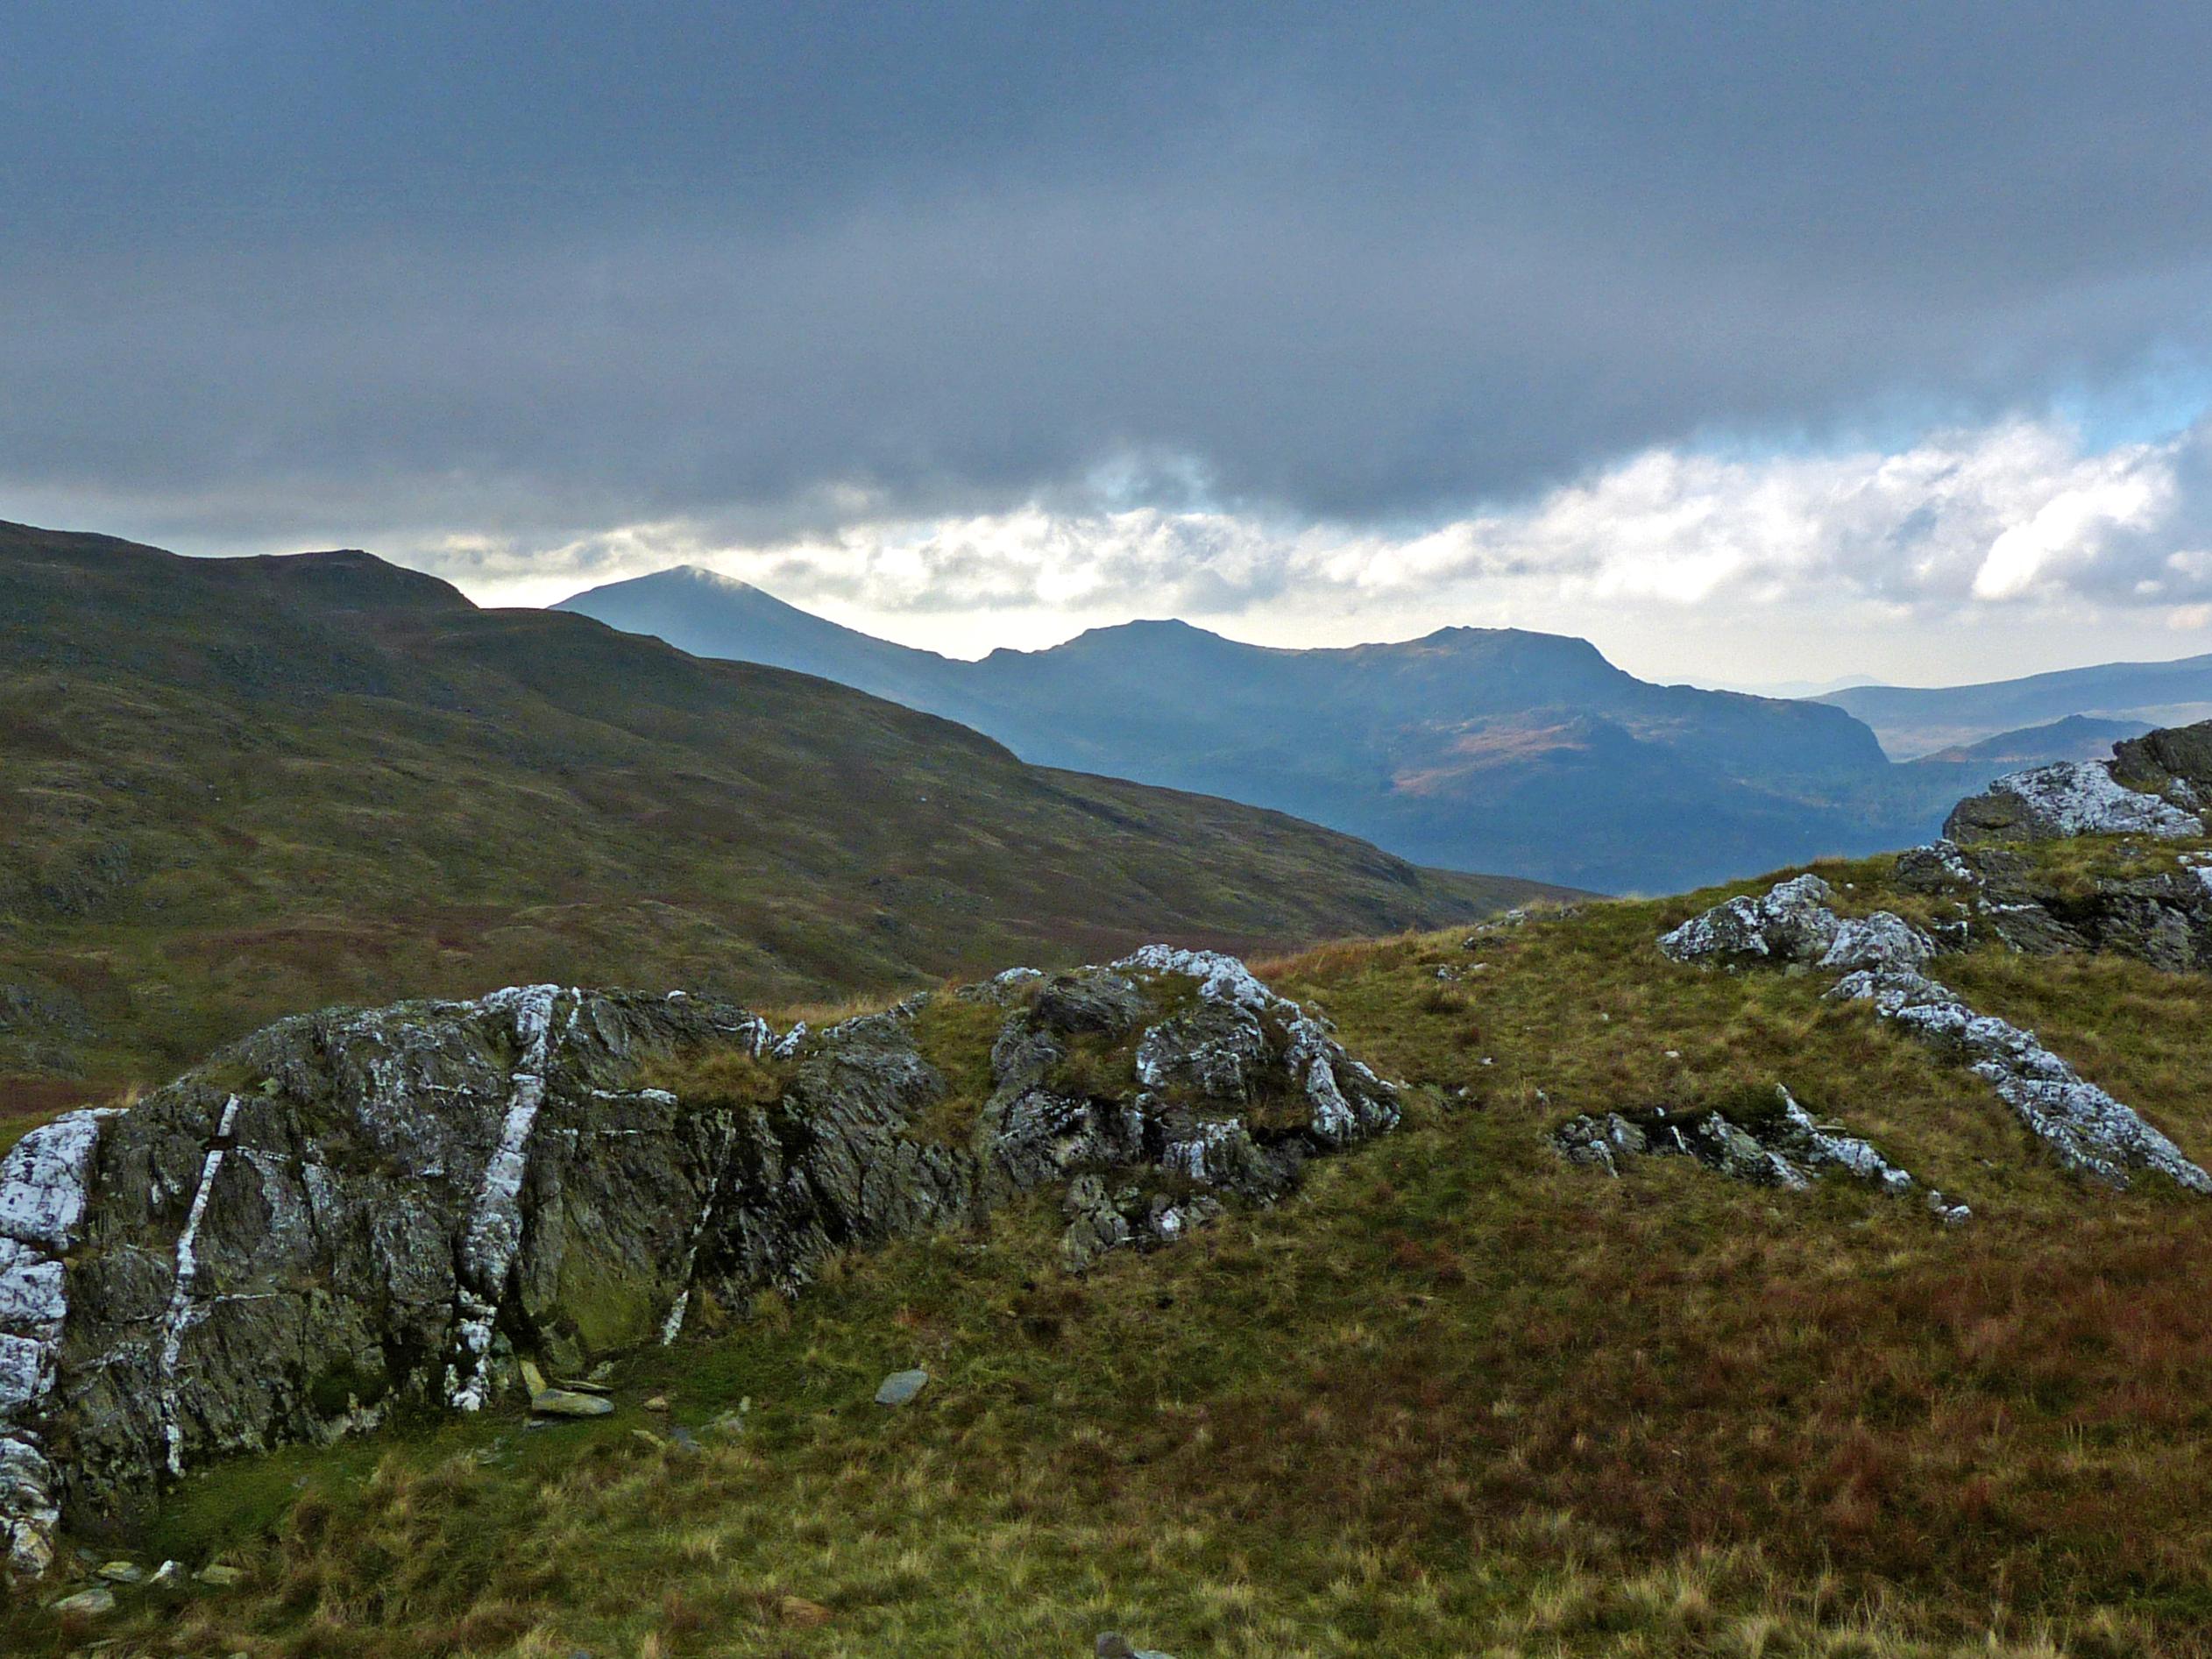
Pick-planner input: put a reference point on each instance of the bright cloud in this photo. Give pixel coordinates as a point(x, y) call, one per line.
point(2016, 515)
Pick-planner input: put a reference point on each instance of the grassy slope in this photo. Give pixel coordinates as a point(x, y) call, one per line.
point(1456, 1397)
point(234, 789)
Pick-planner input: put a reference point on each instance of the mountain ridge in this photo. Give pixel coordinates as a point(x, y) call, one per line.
point(1912, 719)
point(1568, 767)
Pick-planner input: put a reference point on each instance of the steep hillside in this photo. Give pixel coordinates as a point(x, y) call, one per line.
point(238, 788)
point(1913, 720)
point(1467, 1391)
point(1472, 747)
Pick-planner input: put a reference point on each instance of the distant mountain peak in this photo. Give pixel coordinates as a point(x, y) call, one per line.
point(696, 575)
point(717, 578)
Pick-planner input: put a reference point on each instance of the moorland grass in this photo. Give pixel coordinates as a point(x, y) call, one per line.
point(1453, 1397)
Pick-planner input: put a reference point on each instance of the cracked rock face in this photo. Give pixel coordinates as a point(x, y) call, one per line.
point(352, 1212)
point(2163, 919)
point(2070, 797)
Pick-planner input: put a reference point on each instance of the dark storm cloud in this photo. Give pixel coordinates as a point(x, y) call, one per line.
point(266, 269)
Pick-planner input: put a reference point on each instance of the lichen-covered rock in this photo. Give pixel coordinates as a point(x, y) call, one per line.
point(2069, 797)
point(352, 1211)
point(2174, 761)
point(1230, 1089)
point(1778, 1144)
point(1789, 923)
point(2090, 1130)
point(2087, 1129)
point(43, 1193)
point(1883, 939)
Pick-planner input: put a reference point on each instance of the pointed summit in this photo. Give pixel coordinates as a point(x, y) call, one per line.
point(710, 614)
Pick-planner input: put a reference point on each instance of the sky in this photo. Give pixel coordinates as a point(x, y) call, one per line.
point(1756, 342)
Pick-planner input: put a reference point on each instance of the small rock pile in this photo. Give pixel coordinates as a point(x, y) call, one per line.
point(1778, 1144)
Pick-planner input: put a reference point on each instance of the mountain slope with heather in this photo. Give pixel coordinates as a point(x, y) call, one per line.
point(236, 788)
point(1472, 747)
point(1926, 1381)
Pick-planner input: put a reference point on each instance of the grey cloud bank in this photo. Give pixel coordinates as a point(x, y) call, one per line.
point(277, 275)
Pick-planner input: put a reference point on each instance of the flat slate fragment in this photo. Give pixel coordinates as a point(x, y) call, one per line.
point(563, 1402)
point(900, 1387)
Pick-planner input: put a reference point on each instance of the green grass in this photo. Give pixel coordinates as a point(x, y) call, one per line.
point(1453, 1397)
point(956, 1037)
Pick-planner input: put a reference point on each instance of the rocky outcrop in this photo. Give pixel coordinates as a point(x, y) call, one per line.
point(1789, 923)
point(351, 1213)
point(2163, 916)
point(2156, 786)
point(2070, 797)
point(2175, 762)
point(2086, 1129)
point(1881, 957)
point(1767, 1143)
point(43, 1197)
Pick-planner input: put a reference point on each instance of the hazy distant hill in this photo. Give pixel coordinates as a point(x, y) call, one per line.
point(1914, 721)
point(2078, 737)
point(1473, 748)
point(710, 614)
point(236, 788)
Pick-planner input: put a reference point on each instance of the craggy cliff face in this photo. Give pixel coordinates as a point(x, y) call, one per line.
point(348, 1213)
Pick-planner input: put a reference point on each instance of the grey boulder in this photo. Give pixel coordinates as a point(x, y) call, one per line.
point(2067, 798)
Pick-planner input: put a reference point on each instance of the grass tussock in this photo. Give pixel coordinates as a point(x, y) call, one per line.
point(721, 1077)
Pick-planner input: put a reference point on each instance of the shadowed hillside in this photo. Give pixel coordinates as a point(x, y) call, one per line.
point(236, 788)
